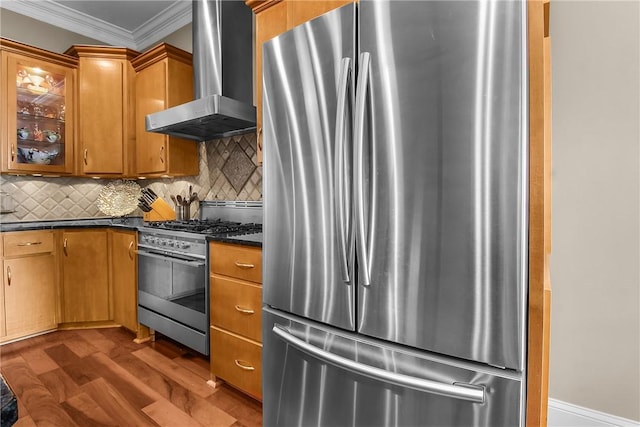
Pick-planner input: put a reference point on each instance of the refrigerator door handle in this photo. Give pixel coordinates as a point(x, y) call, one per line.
point(340, 173)
point(461, 392)
point(361, 97)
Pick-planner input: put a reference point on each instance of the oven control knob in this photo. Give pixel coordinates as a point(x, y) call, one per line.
point(184, 245)
point(170, 243)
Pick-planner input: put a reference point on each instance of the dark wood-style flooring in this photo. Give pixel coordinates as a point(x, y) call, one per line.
point(100, 377)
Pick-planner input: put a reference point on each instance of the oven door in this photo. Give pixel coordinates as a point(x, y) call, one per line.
point(172, 294)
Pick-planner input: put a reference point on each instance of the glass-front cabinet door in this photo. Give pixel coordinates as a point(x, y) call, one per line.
point(39, 131)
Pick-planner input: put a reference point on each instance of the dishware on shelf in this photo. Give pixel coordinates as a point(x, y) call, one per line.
point(36, 80)
point(23, 133)
point(51, 136)
point(33, 155)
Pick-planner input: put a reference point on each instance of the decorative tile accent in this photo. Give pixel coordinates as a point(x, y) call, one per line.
point(238, 168)
point(37, 198)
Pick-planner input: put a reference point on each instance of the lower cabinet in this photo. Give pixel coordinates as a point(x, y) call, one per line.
point(85, 276)
point(29, 288)
point(236, 298)
point(122, 246)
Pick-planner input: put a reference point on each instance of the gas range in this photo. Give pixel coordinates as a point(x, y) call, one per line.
point(239, 220)
point(173, 269)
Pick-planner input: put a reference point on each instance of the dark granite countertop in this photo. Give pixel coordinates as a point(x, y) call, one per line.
point(129, 223)
point(245, 239)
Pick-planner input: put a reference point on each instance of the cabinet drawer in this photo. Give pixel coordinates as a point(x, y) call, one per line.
point(242, 262)
point(237, 361)
point(28, 242)
point(235, 306)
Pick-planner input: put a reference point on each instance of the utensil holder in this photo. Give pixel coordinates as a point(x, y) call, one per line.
point(183, 212)
point(161, 211)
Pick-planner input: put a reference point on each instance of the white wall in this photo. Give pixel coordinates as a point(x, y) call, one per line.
point(595, 322)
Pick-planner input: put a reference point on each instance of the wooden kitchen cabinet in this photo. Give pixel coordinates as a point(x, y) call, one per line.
point(274, 17)
point(30, 284)
point(123, 267)
point(164, 78)
point(106, 105)
point(236, 299)
point(85, 276)
point(37, 110)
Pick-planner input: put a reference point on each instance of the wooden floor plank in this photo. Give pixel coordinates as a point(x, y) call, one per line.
point(245, 409)
point(116, 405)
point(98, 340)
point(137, 393)
point(181, 397)
point(120, 383)
point(39, 361)
point(174, 371)
point(59, 384)
point(25, 422)
point(80, 347)
point(62, 355)
point(195, 365)
point(43, 408)
point(86, 412)
point(167, 415)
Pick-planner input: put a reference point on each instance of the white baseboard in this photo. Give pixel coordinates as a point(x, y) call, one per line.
point(563, 414)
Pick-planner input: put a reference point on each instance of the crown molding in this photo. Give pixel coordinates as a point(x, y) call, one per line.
point(166, 22)
point(160, 26)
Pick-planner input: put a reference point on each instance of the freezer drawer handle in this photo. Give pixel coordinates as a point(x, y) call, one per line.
point(244, 365)
point(428, 386)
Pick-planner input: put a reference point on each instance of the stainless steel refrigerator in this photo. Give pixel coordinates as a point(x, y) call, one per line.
point(395, 216)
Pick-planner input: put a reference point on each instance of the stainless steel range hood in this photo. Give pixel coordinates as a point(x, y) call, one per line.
point(223, 76)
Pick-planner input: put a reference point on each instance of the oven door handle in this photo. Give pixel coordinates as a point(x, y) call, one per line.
point(169, 258)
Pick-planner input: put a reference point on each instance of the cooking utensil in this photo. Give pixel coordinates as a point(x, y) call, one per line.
point(173, 199)
point(180, 200)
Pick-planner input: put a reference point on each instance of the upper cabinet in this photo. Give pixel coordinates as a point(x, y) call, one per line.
point(106, 105)
point(36, 110)
point(164, 78)
point(274, 17)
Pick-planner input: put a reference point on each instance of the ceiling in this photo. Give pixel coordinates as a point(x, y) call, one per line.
point(136, 24)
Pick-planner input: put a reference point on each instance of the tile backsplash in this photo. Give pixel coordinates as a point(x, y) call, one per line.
point(227, 172)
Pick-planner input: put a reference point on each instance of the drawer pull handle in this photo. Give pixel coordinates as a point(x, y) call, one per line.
point(244, 310)
point(131, 247)
point(9, 275)
point(244, 365)
point(64, 247)
point(29, 243)
point(244, 265)
point(86, 155)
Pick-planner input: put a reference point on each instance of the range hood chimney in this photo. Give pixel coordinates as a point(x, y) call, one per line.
point(222, 73)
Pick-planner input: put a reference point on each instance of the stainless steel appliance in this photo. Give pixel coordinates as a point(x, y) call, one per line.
point(173, 268)
point(222, 74)
point(395, 189)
